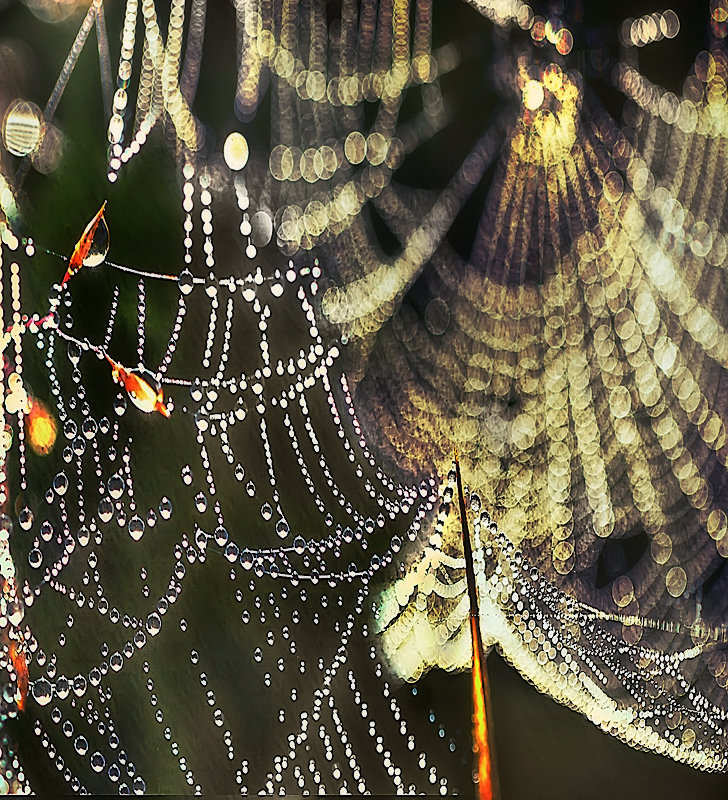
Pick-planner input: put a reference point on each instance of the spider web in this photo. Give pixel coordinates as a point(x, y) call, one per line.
point(362, 395)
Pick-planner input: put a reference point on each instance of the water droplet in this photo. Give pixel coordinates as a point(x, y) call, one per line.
point(60, 483)
point(115, 485)
point(114, 773)
point(258, 654)
point(136, 528)
point(79, 446)
point(69, 429)
point(95, 676)
point(81, 745)
point(16, 612)
point(42, 691)
point(46, 531)
point(185, 281)
point(140, 639)
point(299, 544)
point(119, 405)
point(239, 472)
point(282, 528)
point(151, 518)
point(106, 509)
point(88, 428)
point(74, 353)
point(25, 519)
point(246, 559)
point(84, 536)
point(154, 623)
point(139, 787)
point(221, 536)
point(396, 544)
point(196, 390)
point(186, 475)
point(165, 508)
point(231, 552)
point(35, 558)
point(201, 502)
point(266, 511)
point(6, 527)
point(63, 689)
point(79, 685)
point(98, 762)
point(116, 661)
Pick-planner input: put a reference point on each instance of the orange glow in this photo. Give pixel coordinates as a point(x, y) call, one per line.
point(42, 428)
point(17, 659)
point(480, 721)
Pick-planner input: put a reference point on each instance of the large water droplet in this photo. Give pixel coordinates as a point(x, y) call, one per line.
point(299, 544)
point(282, 528)
point(116, 661)
point(115, 485)
point(60, 483)
point(63, 688)
point(246, 559)
point(69, 428)
point(231, 552)
point(46, 531)
point(266, 511)
point(25, 519)
point(139, 787)
point(221, 536)
point(239, 472)
point(35, 558)
point(74, 353)
point(185, 281)
point(136, 528)
point(106, 509)
point(98, 762)
point(81, 745)
point(154, 623)
point(79, 685)
point(42, 691)
point(89, 427)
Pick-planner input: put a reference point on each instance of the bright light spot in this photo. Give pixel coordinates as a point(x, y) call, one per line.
point(532, 95)
point(235, 151)
point(42, 428)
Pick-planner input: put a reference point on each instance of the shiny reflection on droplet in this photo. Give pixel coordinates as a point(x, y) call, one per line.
point(22, 127)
